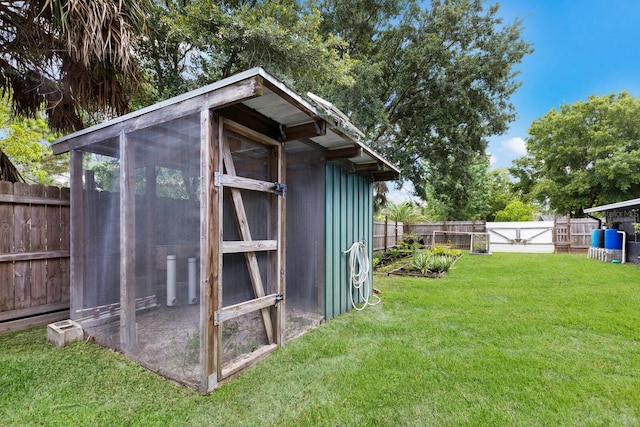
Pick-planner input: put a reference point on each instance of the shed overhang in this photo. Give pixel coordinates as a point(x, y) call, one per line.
point(626, 205)
point(255, 92)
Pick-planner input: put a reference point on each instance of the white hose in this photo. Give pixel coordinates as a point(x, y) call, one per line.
point(359, 268)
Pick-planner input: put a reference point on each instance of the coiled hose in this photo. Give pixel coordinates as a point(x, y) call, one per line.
point(359, 268)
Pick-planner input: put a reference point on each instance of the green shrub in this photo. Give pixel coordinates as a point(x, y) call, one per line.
point(425, 261)
point(441, 263)
point(439, 250)
point(377, 258)
point(422, 261)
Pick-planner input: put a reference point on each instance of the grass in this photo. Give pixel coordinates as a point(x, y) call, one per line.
point(510, 339)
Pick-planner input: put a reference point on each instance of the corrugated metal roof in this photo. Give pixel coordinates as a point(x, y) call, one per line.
point(613, 206)
point(276, 101)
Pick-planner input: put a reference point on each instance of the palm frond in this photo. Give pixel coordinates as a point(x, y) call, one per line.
point(8, 171)
point(71, 56)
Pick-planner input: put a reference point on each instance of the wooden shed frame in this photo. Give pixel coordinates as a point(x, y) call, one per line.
point(261, 109)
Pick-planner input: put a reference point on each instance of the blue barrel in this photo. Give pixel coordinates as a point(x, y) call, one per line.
point(612, 239)
point(595, 237)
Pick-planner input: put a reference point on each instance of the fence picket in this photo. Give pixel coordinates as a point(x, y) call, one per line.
point(34, 222)
point(7, 298)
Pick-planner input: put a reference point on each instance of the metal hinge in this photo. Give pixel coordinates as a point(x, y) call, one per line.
point(279, 298)
point(280, 189)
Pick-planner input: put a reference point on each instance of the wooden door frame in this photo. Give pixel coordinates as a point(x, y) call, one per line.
point(216, 160)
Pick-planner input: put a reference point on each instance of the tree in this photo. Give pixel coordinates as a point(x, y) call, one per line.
point(26, 143)
point(584, 154)
point(501, 191)
point(380, 200)
point(75, 57)
point(431, 85)
point(198, 42)
point(404, 212)
point(516, 210)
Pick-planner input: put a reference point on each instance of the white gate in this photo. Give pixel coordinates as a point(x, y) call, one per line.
point(533, 237)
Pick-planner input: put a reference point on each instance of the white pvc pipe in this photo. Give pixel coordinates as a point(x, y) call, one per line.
point(171, 280)
point(624, 246)
point(192, 281)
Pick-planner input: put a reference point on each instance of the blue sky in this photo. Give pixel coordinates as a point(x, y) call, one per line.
point(581, 47)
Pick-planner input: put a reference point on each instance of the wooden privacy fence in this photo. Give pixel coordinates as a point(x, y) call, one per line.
point(573, 234)
point(446, 232)
point(34, 254)
point(452, 233)
point(568, 234)
point(386, 234)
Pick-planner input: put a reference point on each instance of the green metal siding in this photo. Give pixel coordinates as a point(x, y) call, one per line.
point(348, 219)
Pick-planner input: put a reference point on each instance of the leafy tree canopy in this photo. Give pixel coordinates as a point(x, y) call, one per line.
point(26, 143)
point(427, 83)
point(584, 154)
point(198, 42)
point(405, 212)
point(500, 191)
point(432, 83)
point(516, 210)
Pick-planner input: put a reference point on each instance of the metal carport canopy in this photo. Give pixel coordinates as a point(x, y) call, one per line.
point(633, 203)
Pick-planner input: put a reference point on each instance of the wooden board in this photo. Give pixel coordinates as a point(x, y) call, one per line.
point(76, 294)
point(127, 245)
point(231, 247)
point(30, 322)
point(246, 307)
point(38, 216)
point(31, 274)
point(210, 244)
point(7, 300)
point(6, 220)
point(7, 287)
point(22, 284)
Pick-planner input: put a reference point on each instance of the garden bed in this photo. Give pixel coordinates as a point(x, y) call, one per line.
point(416, 261)
point(406, 270)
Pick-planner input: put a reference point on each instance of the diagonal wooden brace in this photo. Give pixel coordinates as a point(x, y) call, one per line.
point(245, 233)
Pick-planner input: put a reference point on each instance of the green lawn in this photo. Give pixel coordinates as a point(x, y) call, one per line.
point(508, 339)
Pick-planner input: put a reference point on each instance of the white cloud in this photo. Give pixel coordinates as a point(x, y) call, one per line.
point(516, 145)
point(492, 159)
point(404, 194)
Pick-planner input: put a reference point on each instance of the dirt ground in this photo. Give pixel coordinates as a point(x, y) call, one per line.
point(169, 338)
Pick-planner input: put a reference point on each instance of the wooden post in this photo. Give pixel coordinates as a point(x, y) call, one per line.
point(127, 246)
point(386, 238)
point(65, 243)
point(568, 233)
point(210, 238)
point(76, 273)
point(396, 230)
point(555, 232)
point(280, 230)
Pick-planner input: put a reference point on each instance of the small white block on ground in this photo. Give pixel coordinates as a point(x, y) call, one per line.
point(64, 332)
